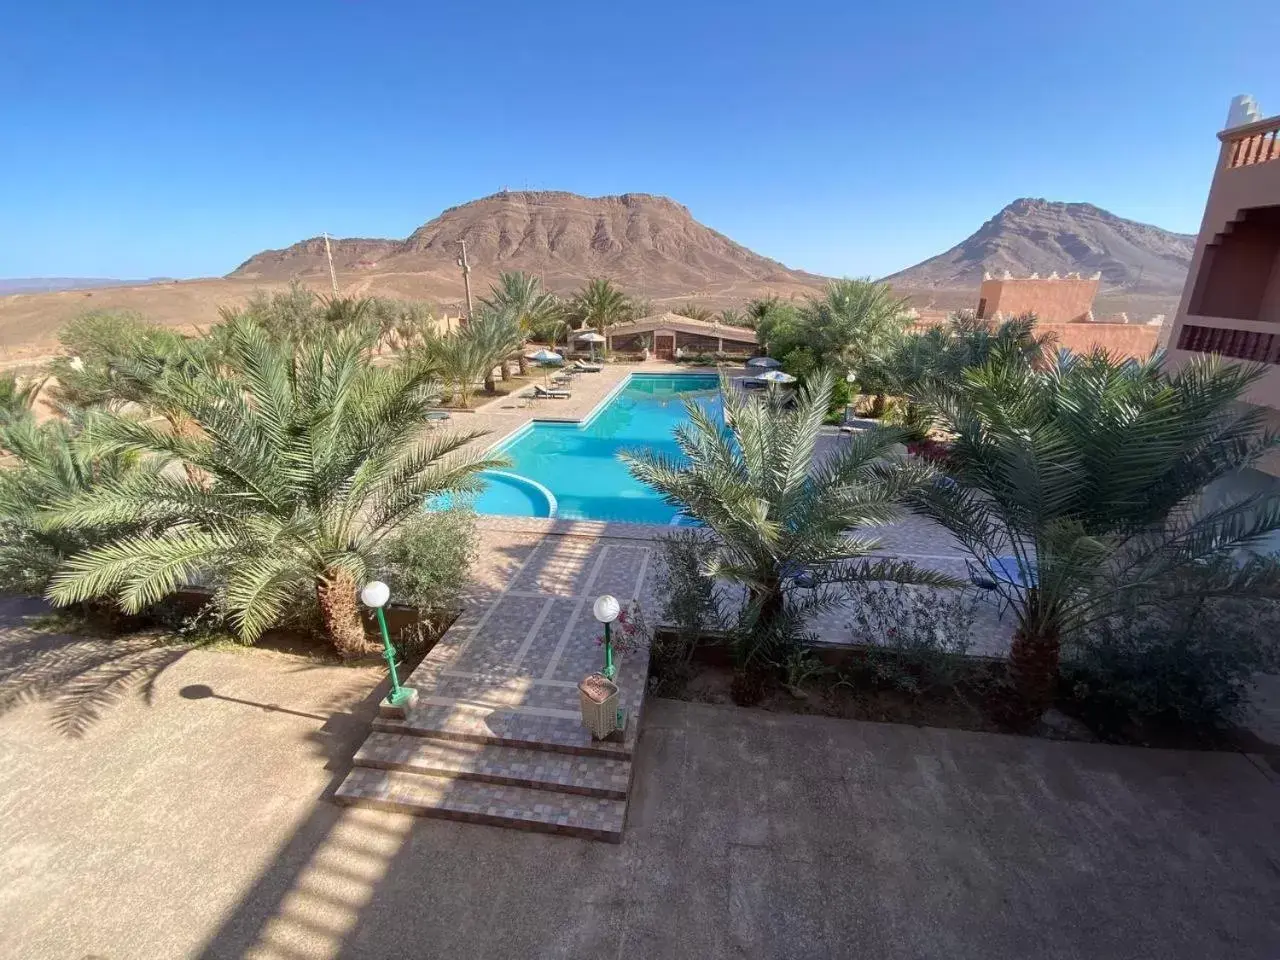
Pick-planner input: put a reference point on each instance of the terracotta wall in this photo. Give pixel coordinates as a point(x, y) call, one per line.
point(1118, 339)
point(1236, 195)
point(1059, 300)
point(1121, 339)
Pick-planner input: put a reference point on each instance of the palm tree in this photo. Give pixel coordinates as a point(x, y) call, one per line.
point(497, 335)
point(17, 398)
point(50, 465)
point(973, 342)
point(460, 361)
point(694, 311)
point(521, 295)
point(734, 318)
point(759, 307)
point(599, 304)
point(773, 510)
point(852, 322)
point(1089, 474)
point(310, 456)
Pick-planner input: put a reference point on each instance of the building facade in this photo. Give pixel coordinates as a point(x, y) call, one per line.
point(1231, 301)
point(1052, 299)
point(668, 334)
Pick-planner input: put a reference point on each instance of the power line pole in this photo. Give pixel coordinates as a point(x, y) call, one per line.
point(333, 277)
point(466, 275)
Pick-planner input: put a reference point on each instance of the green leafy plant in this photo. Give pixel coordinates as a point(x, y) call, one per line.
point(303, 460)
point(599, 305)
point(693, 605)
point(51, 464)
point(773, 512)
point(1188, 664)
point(17, 397)
point(916, 637)
point(1089, 474)
point(426, 560)
point(536, 313)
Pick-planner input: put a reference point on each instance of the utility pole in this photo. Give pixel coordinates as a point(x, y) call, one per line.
point(333, 277)
point(466, 275)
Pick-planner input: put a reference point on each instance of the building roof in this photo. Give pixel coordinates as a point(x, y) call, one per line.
point(673, 321)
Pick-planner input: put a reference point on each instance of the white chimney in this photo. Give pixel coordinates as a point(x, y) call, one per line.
point(1244, 109)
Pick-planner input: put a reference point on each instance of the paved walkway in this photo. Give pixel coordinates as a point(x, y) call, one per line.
point(191, 817)
point(496, 735)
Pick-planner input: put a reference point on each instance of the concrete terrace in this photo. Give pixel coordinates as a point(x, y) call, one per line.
point(192, 816)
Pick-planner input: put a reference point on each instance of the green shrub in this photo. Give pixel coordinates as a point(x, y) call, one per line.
point(800, 362)
point(917, 637)
point(426, 562)
point(841, 396)
point(692, 604)
point(1187, 664)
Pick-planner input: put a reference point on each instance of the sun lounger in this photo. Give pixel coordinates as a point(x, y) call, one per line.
point(585, 367)
point(540, 391)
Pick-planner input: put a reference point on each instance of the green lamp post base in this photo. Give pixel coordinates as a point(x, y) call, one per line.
point(396, 703)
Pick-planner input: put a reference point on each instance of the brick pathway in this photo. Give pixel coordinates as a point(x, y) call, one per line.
point(496, 735)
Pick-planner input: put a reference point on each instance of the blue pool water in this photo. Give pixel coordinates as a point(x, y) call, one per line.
point(579, 464)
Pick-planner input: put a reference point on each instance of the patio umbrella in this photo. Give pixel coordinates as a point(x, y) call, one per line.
point(546, 359)
point(592, 338)
point(777, 376)
point(768, 363)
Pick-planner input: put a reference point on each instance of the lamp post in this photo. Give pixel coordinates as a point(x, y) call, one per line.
point(606, 610)
point(375, 596)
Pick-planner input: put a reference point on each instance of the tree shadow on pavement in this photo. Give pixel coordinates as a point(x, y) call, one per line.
point(79, 677)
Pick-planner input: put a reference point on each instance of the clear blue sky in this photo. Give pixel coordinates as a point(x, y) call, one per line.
point(169, 138)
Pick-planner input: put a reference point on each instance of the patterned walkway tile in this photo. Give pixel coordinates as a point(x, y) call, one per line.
point(510, 766)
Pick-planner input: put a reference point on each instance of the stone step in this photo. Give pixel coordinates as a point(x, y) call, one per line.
point(422, 795)
point(508, 728)
point(510, 766)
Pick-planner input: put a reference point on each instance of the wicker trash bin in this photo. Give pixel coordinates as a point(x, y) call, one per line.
point(599, 696)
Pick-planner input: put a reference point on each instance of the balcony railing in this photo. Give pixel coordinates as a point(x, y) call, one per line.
point(1257, 143)
point(1237, 344)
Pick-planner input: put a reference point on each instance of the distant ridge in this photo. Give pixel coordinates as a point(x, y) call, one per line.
point(53, 284)
point(642, 241)
point(1040, 236)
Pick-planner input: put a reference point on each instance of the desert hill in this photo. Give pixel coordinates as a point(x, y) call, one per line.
point(1031, 235)
point(649, 244)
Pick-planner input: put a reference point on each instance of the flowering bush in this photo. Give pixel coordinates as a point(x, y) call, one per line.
point(628, 632)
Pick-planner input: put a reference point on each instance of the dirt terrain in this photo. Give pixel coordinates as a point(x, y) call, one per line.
point(652, 246)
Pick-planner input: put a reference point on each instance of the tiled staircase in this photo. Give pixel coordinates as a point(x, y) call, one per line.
point(475, 764)
point(496, 736)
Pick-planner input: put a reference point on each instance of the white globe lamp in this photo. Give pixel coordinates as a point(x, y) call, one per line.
point(606, 608)
point(375, 594)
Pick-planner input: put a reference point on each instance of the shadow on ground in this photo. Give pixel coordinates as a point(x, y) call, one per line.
point(78, 677)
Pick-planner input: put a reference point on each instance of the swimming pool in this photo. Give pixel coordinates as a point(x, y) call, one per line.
point(578, 465)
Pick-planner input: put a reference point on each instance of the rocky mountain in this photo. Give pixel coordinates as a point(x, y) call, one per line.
point(647, 243)
point(1040, 236)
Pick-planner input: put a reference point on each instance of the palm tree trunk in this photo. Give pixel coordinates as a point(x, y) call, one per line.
point(502, 370)
point(1033, 667)
point(489, 385)
point(336, 594)
point(521, 363)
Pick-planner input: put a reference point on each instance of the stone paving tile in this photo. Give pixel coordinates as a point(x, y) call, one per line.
point(539, 769)
point(509, 729)
point(563, 566)
point(592, 818)
point(621, 571)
